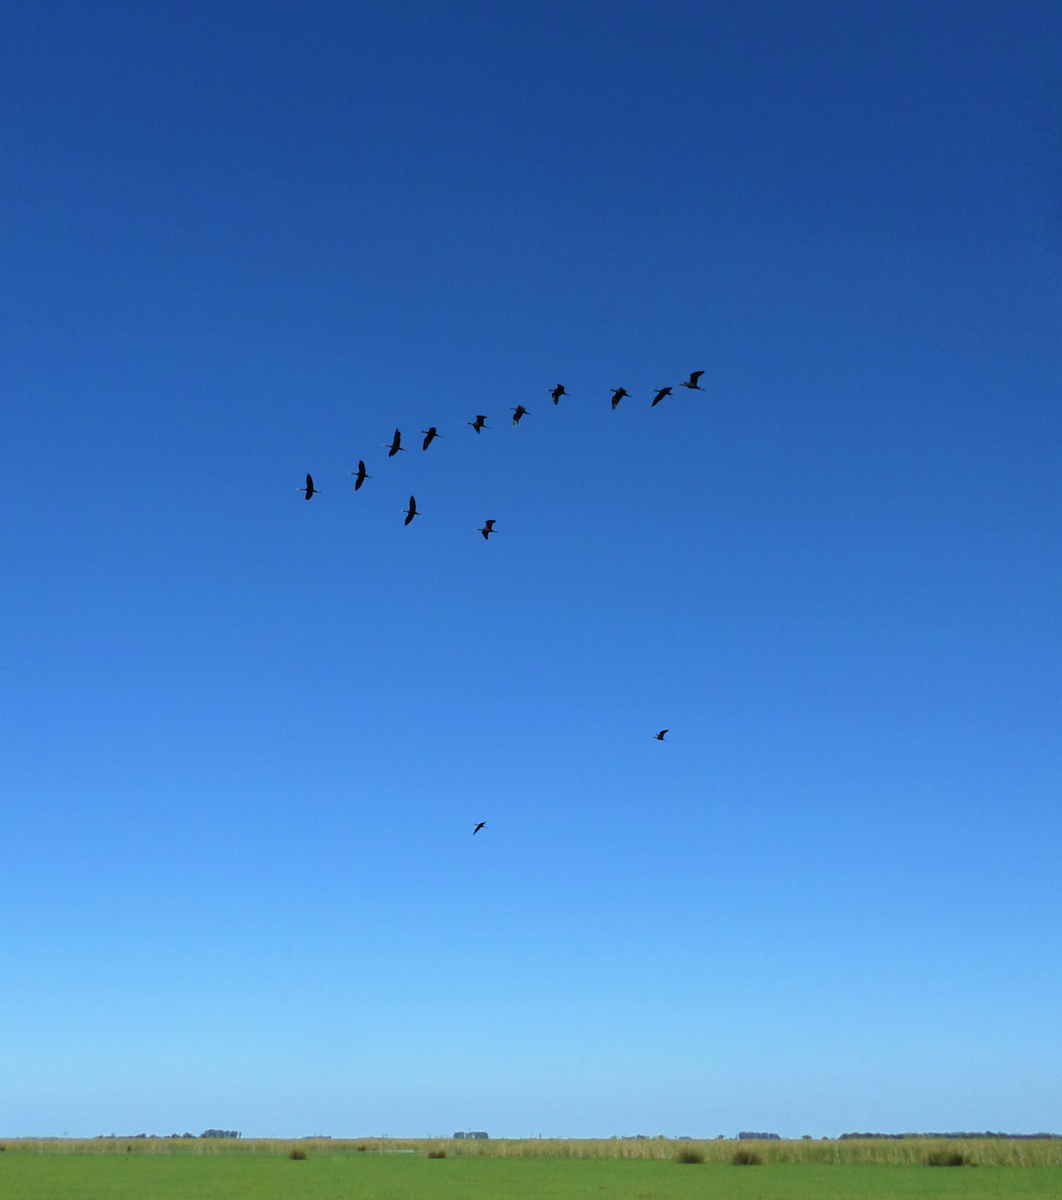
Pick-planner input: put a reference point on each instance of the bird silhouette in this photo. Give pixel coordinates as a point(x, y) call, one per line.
point(410, 512)
point(488, 529)
point(617, 395)
point(557, 392)
point(660, 736)
point(478, 828)
point(361, 473)
point(692, 383)
point(518, 412)
point(396, 445)
point(431, 434)
point(660, 395)
point(479, 423)
point(309, 489)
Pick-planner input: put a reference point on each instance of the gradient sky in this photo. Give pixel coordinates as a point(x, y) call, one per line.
point(244, 738)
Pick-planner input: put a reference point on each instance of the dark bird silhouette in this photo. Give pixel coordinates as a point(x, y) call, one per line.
point(518, 412)
point(479, 423)
point(361, 473)
point(617, 395)
point(488, 529)
point(309, 489)
point(660, 736)
point(692, 383)
point(557, 392)
point(660, 395)
point(410, 512)
point(396, 445)
point(478, 828)
point(431, 433)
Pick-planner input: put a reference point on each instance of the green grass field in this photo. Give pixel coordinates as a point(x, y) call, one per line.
point(157, 1170)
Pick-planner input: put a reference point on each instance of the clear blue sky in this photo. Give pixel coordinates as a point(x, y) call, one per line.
point(244, 738)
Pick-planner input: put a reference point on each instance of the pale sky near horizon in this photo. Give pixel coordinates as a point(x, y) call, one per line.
point(244, 738)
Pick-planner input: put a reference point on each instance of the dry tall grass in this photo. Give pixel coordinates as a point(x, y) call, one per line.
point(998, 1152)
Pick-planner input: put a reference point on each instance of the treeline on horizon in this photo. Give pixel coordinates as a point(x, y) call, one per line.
point(964, 1136)
point(952, 1137)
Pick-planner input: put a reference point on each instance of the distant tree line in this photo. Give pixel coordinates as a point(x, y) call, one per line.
point(207, 1133)
point(1026, 1137)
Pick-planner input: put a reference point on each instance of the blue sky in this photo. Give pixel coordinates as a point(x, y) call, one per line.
point(244, 739)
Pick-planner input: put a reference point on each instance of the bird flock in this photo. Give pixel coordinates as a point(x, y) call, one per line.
point(479, 424)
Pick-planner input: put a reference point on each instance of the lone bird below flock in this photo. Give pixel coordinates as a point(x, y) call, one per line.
point(396, 445)
point(410, 512)
point(660, 736)
point(361, 473)
point(478, 828)
point(693, 381)
point(309, 489)
point(557, 392)
point(431, 433)
point(617, 395)
point(488, 529)
point(479, 423)
point(518, 412)
point(660, 395)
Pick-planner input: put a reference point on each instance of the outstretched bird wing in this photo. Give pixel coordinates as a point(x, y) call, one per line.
point(478, 828)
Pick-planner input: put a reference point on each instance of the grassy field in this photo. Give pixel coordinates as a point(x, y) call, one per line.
point(158, 1169)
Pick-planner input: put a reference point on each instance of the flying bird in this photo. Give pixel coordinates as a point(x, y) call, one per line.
point(478, 828)
point(660, 395)
point(557, 392)
point(431, 434)
point(660, 736)
point(309, 489)
point(396, 445)
point(488, 529)
point(693, 381)
point(617, 395)
point(410, 512)
point(361, 473)
point(518, 412)
point(479, 423)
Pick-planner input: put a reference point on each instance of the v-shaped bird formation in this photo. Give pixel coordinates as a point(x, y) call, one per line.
point(479, 424)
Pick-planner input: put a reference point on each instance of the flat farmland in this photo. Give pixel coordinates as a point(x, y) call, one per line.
point(152, 1171)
